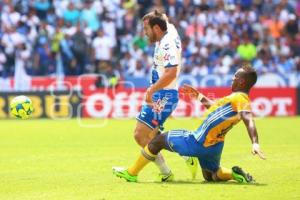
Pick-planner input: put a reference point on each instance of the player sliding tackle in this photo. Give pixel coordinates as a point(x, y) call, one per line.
point(207, 141)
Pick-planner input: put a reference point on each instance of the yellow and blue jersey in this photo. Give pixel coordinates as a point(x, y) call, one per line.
point(221, 117)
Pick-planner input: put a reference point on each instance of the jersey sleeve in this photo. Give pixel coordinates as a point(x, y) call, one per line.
point(172, 30)
point(241, 103)
point(170, 54)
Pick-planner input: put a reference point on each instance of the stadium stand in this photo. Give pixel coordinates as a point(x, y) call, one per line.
point(74, 37)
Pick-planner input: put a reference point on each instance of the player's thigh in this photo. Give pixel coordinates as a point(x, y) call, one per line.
point(210, 157)
point(146, 119)
point(182, 142)
point(158, 143)
point(142, 130)
point(154, 133)
point(157, 118)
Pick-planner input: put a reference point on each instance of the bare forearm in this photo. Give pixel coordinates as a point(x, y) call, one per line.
point(253, 135)
point(251, 128)
point(252, 132)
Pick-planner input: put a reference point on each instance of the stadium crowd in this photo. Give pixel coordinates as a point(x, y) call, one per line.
point(72, 37)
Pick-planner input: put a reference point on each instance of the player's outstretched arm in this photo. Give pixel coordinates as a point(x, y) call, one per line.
point(193, 92)
point(252, 132)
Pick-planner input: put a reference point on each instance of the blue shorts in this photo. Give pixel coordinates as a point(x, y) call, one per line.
point(185, 144)
point(168, 100)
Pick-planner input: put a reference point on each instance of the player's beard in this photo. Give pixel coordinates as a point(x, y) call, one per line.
point(152, 38)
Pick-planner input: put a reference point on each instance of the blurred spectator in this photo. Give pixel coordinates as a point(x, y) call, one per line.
point(157, 5)
point(298, 9)
point(71, 14)
point(200, 69)
point(172, 9)
point(10, 41)
point(44, 62)
point(52, 17)
point(129, 21)
point(83, 36)
point(109, 29)
point(56, 40)
point(41, 7)
point(223, 66)
point(32, 20)
point(10, 17)
point(89, 16)
point(80, 50)
point(204, 5)
point(109, 76)
point(140, 69)
point(102, 50)
point(128, 64)
point(246, 50)
point(291, 27)
point(125, 42)
point(21, 78)
point(276, 27)
point(2, 62)
point(68, 58)
point(285, 65)
point(140, 41)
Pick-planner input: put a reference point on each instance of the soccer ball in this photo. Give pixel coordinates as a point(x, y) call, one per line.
point(21, 107)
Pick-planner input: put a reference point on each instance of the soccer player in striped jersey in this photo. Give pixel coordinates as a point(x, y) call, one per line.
point(162, 95)
point(207, 141)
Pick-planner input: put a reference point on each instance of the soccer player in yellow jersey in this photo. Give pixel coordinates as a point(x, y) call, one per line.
point(206, 143)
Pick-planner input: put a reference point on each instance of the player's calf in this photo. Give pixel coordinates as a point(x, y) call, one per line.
point(143, 134)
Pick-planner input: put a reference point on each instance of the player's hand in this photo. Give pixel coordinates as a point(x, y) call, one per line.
point(149, 95)
point(256, 151)
point(189, 90)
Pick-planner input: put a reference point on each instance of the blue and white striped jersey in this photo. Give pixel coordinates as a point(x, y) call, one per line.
point(167, 53)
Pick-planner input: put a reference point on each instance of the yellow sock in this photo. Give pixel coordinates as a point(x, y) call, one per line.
point(145, 157)
point(224, 174)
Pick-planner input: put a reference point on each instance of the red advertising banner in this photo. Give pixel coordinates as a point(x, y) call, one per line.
point(125, 103)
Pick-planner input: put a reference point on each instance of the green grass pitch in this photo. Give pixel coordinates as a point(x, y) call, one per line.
point(72, 160)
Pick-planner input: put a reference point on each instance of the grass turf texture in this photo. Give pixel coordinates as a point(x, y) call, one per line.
point(47, 159)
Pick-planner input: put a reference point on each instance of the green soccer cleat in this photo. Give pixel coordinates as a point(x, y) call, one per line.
point(192, 164)
point(166, 177)
point(123, 173)
point(240, 176)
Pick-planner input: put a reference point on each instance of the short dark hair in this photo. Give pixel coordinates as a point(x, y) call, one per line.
point(156, 18)
point(250, 74)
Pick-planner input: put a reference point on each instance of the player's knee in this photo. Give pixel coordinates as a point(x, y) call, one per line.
point(207, 175)
point(139, 137)
point(157, 144)
point(215, 177)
